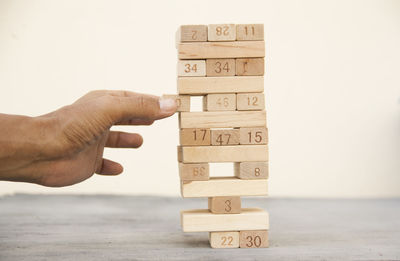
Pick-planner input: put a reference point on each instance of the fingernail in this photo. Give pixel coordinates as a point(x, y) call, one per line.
point(167, 104)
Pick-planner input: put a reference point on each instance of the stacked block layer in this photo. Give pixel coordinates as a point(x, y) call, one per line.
point(223, 63)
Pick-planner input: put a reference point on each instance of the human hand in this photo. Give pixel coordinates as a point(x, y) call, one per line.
point(66, 146)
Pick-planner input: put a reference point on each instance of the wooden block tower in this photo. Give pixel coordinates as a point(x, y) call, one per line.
point(223, 63)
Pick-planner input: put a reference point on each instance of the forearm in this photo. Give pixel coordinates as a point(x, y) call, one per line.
point(20, 142)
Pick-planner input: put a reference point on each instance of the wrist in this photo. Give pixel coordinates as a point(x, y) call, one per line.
point(22, 140)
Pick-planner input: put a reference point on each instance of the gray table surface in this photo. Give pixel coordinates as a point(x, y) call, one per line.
point(64, 227)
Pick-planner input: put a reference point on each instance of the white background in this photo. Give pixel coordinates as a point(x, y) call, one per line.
point(332, 85)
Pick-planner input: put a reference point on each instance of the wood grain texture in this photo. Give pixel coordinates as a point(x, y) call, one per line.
point(219, 102)
point(207, 50)
point(201, 220)
point(225, 137)
point(227, 239)
point(253, 136)
point(196, 171)
point(192, 33)
point(253, 239)
point(221, 32)
point(250, 67)
point(222, 119)
point(251, 170)
point(224, 186)
point(250, 101)
point(182, 101)
point(238, 153)
point(234, 84)
point(225, 205)
point(195, 137)
point(249, 32)
point(191, 68)
point(220, 67)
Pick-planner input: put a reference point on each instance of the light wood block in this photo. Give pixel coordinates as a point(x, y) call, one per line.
point(219, 102)
point(195, 137)
point(197, 171)
point(228, 239)
point(207, 50)
point(225, 205)
point(205, 85)
point(253, 136)
point(192, 33)
point(191, 68)
point(251, 170)
point(201, 220)
point(221, 32)
point(224, 186)
point(222, 119)
point(221, 67)
point(224, 137)
point(253, 239)
point(249, 32)
point(238, 153)
point(250, 101)
point(182, 101)
point(250, 67)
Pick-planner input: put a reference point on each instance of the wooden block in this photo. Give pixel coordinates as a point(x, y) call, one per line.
point(253, 136)
point(249, 32)
point(201, 220)
point(197, 171)
point(205, 85)
point(221, 32)
point(251, 66)
point(222, 119)
point(192, 136)
point(253, 239)
point(192, 33)
point(250, 101)
point(224, 186)
point(251, 170)
point(182, 101)
point(224, 205)
point(221, 67)
point(219, 102)
point(206, 50)
point(236, 153)
point(228, 239)
point(191, 68)
point(224, 137)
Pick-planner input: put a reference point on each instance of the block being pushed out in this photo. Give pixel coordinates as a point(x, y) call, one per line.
point(182, 101)
point(227, 239)
point(201, 220)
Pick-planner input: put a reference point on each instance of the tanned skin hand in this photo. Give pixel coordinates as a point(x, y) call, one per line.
point(66, 146)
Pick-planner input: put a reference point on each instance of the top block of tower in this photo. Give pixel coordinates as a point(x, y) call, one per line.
point(192, 33)
point(221, 41)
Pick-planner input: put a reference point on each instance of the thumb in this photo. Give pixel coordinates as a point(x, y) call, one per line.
point(131, 106)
